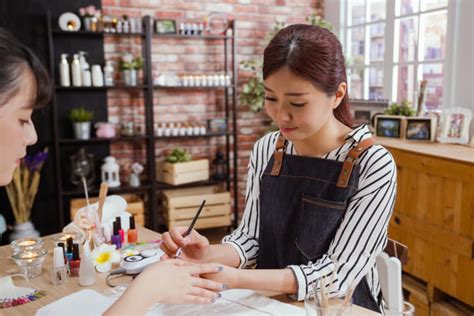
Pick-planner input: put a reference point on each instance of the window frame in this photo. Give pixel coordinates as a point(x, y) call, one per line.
point(390, 76)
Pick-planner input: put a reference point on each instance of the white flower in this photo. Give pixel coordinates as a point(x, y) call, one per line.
point(104, 256)
point(137, 168)
point(127, 58)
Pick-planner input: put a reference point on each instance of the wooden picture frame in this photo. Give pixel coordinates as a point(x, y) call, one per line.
point(455, 125)
point(390, 126)
point(420, 128)
point(165, 26)
point(363, 111)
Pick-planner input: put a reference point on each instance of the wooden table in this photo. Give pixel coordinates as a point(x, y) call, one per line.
point(7, 266)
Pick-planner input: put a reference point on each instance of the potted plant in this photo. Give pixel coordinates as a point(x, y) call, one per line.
point(402, 109)
point(129, 66)
point(81, 121)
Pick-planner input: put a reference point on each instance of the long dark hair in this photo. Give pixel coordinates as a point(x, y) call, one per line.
point(313, 53)
point(14, 59)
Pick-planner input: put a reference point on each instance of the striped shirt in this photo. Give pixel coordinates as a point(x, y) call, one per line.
point(362, 235)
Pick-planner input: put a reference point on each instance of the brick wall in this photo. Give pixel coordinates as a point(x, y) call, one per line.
point(254, 20)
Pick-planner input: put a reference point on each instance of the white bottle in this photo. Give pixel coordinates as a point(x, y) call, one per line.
point(64, 73)
point(76, 71)
point(109, 74)
point(126, 26)
point(86, 78)
point(222, 80)
point(97, 77)
point(86, 270)
point(84, 66)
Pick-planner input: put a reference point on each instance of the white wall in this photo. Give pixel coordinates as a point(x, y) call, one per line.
point(459, 79)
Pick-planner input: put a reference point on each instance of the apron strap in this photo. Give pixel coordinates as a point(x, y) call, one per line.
point(350, 161)
point(278, 155)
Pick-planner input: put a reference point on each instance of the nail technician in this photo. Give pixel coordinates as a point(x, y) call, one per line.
point(319, 193)
point(24, 87)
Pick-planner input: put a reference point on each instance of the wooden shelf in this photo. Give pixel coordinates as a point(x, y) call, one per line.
point(216, 134)
point(94, 34)
point(70, 141)
point(194, 87)
point(166, 186)
point(93, 191)
point(120, 87)
point(197, 37)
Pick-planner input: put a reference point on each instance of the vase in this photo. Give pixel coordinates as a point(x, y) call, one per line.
point(129, 77)
point(22, 230)
point(82, 130)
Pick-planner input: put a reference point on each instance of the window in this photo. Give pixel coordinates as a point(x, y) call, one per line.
point(392, 45)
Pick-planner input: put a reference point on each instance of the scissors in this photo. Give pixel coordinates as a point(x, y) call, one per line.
point(190, 228)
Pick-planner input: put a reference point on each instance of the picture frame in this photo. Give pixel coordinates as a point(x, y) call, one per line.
point(363, 111)
point(390, 126)
point(455, 125)
point(165, 26)
point(420, 128)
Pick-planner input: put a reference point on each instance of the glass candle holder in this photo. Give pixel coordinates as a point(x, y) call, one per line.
point(26, 244)
point(30, 261)
point(333, 307)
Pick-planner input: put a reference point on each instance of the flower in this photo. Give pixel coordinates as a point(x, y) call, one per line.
point(35, 162)
point(104, 256)
point(127, 58)
point(22, 189)
point(137, 168)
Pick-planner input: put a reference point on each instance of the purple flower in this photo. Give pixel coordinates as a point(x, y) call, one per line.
point(35, 162)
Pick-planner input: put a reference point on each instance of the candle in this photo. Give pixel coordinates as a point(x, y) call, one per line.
point(26, 244)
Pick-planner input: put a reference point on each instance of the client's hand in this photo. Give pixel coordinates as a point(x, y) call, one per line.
point(195, 246)
point(170, 282)
point(229, 276)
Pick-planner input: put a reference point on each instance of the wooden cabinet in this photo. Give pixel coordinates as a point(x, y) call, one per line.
point(434, 214)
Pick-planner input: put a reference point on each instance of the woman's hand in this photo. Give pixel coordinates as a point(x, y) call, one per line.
point(194, 247)
point(169, 282)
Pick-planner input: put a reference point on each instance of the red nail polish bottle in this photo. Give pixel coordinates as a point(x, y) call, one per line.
point(75, 262)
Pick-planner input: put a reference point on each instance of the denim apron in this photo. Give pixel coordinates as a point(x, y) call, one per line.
point(302, 203)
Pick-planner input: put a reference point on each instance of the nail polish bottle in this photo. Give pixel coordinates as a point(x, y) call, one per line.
point(61, 244)
point(58, 271)
point(132, 233)
point(75, 262)
point(116, 238)
point(69, 250)
point(118, 219)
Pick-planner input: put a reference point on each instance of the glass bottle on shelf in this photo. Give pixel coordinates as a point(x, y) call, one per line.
point(220, 166)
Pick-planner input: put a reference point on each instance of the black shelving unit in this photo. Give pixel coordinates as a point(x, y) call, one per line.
point(63, 144)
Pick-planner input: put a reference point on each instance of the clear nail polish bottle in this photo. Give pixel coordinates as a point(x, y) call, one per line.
point(59, 270)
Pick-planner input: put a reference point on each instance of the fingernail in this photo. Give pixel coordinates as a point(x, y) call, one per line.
point(220, 269)
point(213, 300)
point(187, 239)
point(224, 286)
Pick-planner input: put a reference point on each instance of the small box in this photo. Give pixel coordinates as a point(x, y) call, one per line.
point(182, 204)
point(182, 172)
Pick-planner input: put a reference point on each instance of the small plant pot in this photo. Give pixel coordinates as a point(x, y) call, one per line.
point(82, 130)
point(130, 77)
